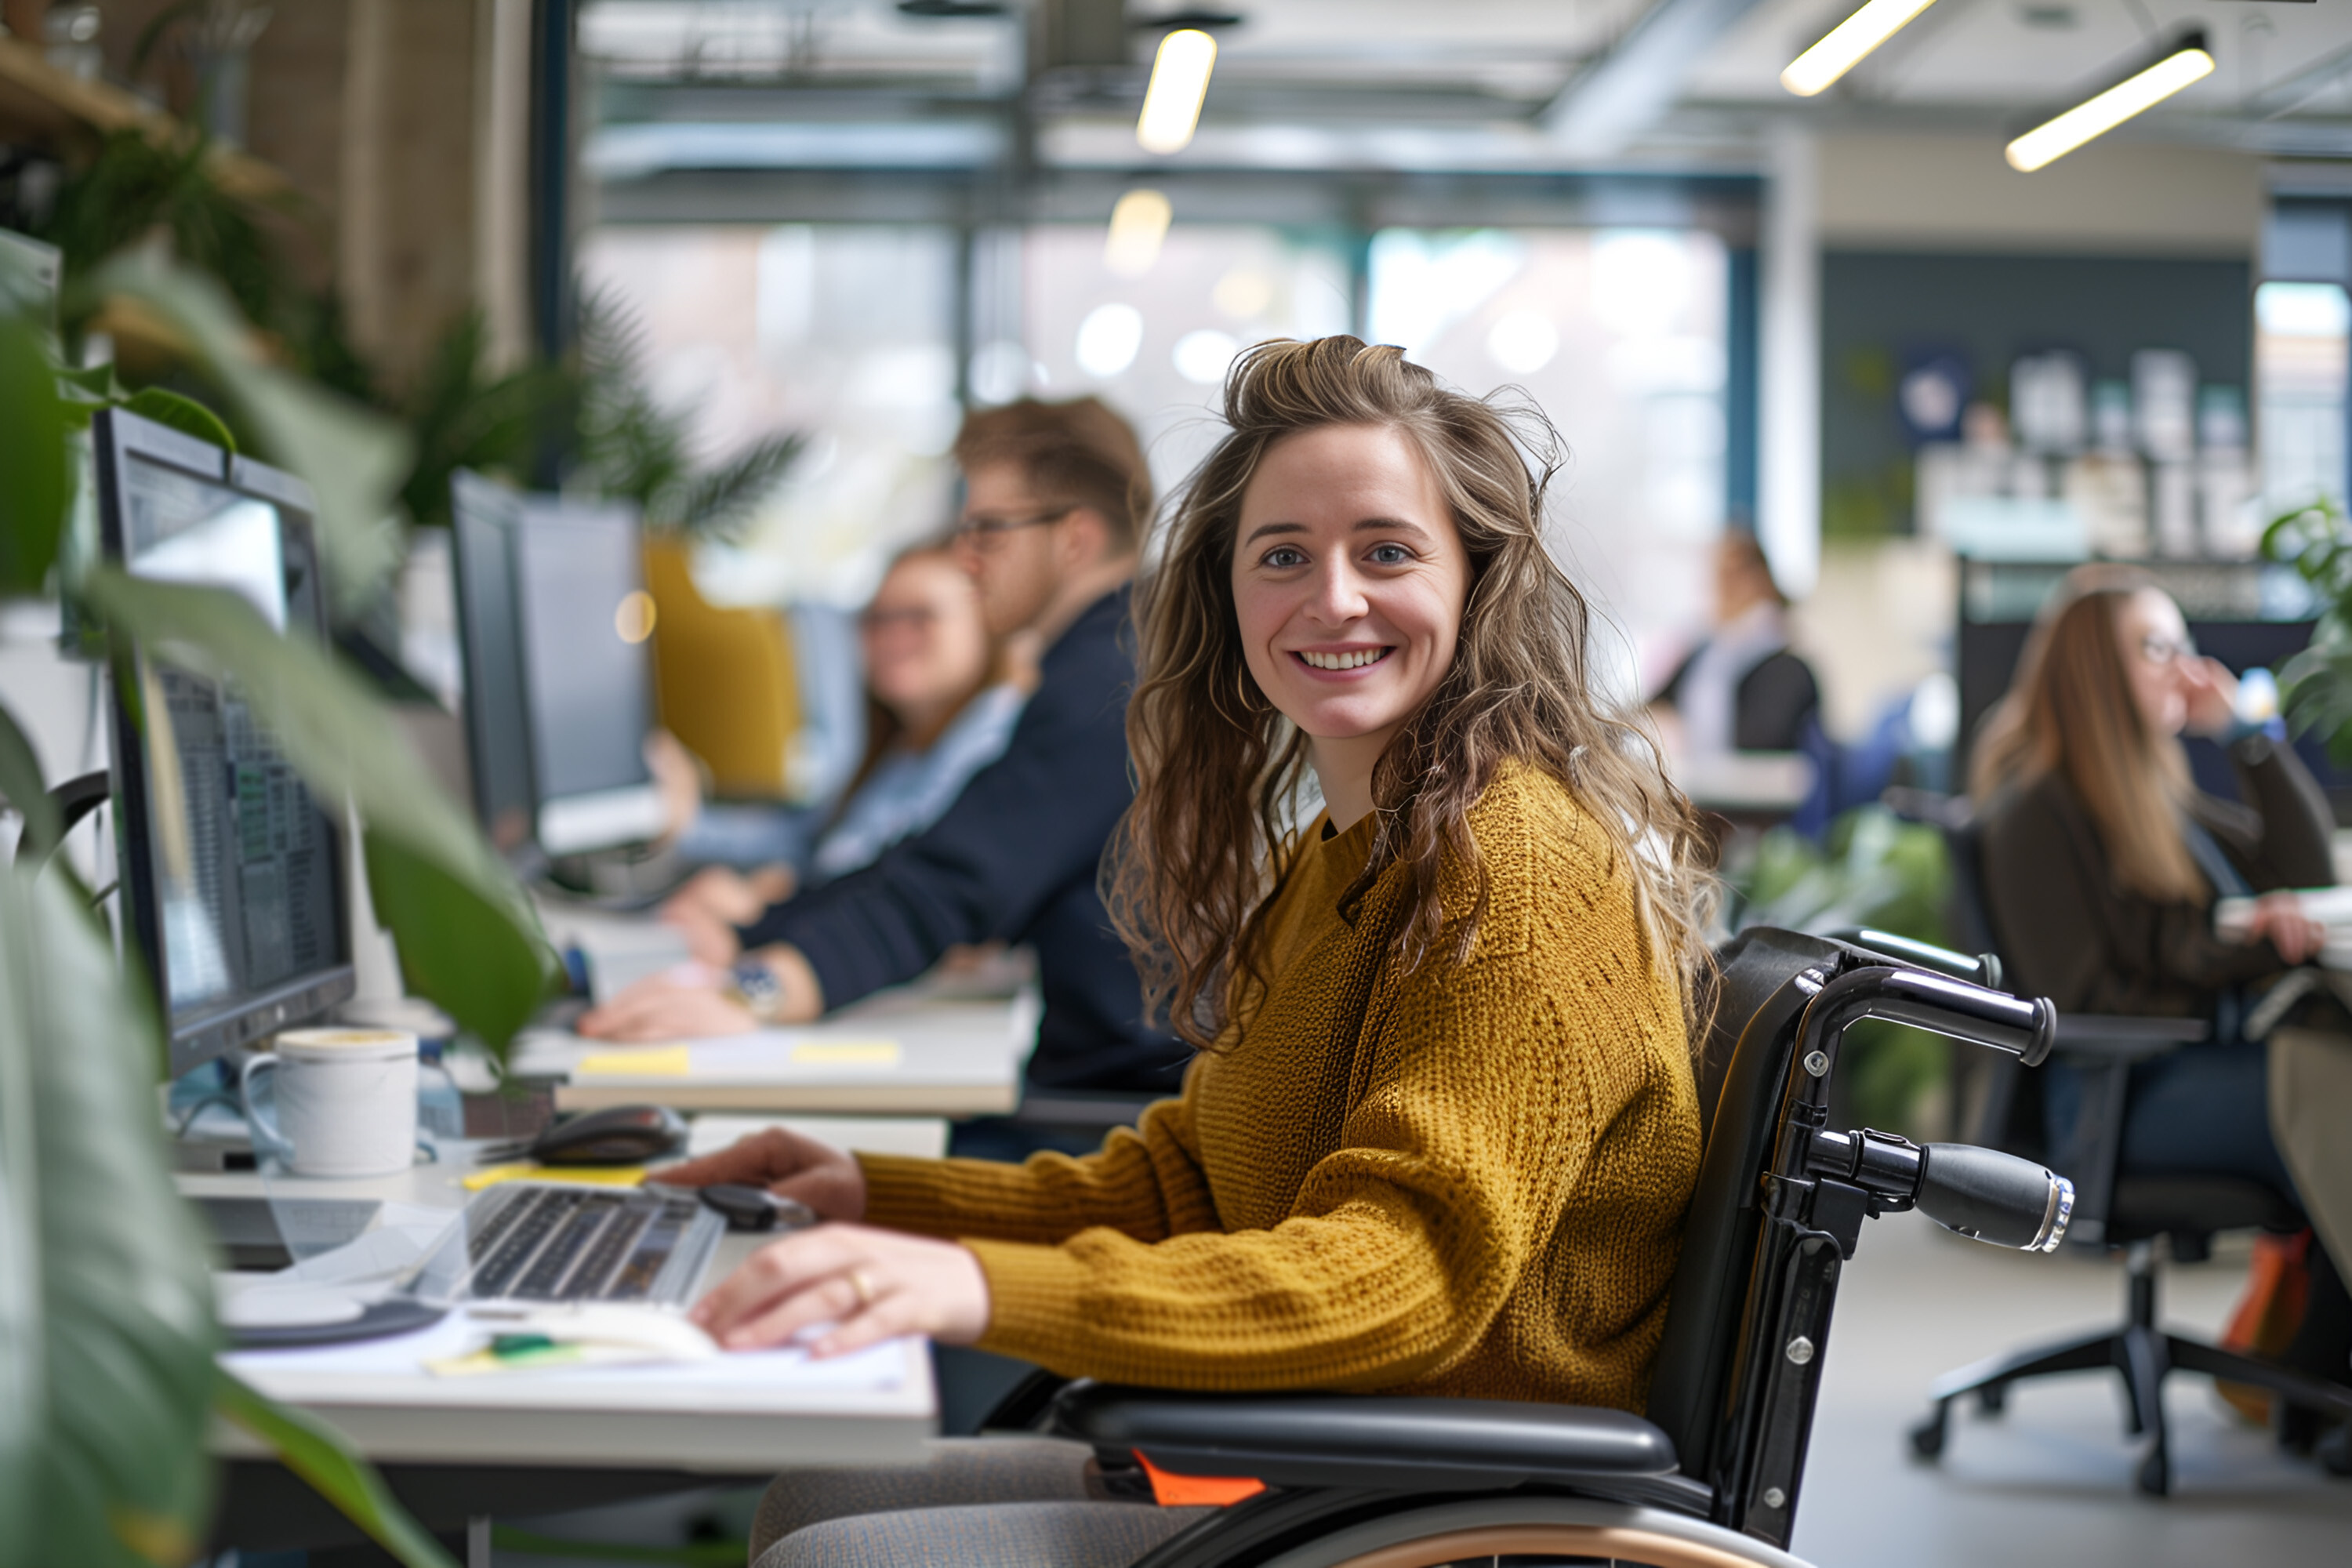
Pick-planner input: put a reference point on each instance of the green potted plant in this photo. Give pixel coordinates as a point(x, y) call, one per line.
point(108, 1381)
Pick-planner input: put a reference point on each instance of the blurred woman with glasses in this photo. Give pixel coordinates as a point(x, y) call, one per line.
point(943, 695)
point(2101, 866)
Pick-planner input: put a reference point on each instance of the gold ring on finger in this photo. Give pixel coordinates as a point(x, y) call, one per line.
point(863, 1286)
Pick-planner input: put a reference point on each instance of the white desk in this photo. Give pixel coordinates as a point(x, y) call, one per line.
point(959, 1050)
point(945, 1058)
point(1746, 783)
point(763, 1420)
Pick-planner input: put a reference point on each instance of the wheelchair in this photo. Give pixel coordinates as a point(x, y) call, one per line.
point(1711, 1477)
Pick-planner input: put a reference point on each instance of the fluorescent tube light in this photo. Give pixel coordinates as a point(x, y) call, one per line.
point(2095, 117)
point(1847, 44)
point(1138, 224)
point(1180, 80)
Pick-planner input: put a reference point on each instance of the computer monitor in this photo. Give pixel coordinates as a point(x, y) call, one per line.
point(553, 617)
point(232, 872)
point(587, 671)
point(485, 518)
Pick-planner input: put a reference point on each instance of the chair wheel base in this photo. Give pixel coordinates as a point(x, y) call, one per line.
point(2154, 1475)
point(1993, 1398)
point(1927, 1438)
point(2335, 1451)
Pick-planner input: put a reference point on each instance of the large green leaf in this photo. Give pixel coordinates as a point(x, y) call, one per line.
point(20, 785)
point(34, 486)
point(352, 458)
point(444, 896)
point(454, 943)
point(317, 1452)
point(106, 1333)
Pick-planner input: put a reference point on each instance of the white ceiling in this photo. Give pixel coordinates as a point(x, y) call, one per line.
point(1491, 66)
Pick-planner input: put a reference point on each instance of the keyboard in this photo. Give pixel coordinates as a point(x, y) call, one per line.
point(534, 1241)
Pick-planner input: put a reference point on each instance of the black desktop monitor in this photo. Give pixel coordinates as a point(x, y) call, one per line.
point(232, 872)
point(553, 618)
point(587, 670)
point(485, 517)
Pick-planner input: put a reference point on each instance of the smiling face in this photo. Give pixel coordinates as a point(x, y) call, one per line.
point(925, 643)
point(1350, 579)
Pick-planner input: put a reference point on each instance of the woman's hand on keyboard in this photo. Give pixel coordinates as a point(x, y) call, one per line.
point(855, 1285)
point(786, 1163)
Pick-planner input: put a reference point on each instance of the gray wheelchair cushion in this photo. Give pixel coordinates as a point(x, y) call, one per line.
point(984, 1535)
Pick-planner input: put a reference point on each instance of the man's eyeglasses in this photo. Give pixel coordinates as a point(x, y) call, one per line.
point(2161, 651)
point(984, 530)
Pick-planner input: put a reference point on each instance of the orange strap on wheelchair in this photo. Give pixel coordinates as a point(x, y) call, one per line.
point(1172, 1490)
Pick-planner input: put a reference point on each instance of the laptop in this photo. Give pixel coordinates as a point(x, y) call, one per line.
point(558, 1242)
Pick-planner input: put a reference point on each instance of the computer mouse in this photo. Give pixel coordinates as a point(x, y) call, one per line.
point(756, 1208)
point(622, 1135)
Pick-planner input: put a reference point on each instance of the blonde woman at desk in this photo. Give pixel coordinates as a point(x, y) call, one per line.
point(941, 694)
point(1441, 1127)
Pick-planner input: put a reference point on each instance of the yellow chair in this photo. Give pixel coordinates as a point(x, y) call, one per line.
point(725, 678)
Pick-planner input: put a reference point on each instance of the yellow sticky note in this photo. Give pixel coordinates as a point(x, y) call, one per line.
point(845, 1053)
point(661, 1061)
point(579, 1175)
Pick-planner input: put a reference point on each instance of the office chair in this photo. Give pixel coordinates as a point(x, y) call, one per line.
point(1711, 1476)
point(724, 679)
point(2112, 1211)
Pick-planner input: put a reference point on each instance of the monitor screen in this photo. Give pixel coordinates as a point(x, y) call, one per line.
point(486, 517)
point(232, 870)
point(585, 621)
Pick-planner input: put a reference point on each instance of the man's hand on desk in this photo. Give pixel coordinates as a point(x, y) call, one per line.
point(870, 1285)
point(715, 900)
point(789, 1165)
point(696, 1001)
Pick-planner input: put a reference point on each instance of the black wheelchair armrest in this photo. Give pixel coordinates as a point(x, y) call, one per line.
point(2118, 1036)
point(1365, 1443)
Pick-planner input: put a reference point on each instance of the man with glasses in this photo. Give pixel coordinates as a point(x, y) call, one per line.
point(1055, 495)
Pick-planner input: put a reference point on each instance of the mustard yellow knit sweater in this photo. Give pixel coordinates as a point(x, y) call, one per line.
point(1467, 1181)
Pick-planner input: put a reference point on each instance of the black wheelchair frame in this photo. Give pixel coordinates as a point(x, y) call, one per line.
point(1711, 1475)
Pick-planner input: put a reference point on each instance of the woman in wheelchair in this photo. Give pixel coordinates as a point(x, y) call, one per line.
point(1440, 1129)
point(2101, 862)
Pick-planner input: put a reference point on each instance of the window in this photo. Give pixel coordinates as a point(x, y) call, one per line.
point(2300, 333)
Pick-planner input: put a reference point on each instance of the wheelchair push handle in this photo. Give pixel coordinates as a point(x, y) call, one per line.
point(1981, 969)
point(1940, 1004)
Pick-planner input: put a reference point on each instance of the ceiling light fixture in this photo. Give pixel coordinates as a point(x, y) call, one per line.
point(2186, 61)
point(1847, 43)
point(1180, 80)
point(1138, 224)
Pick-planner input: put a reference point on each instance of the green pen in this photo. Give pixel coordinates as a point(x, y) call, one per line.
point(529, 1348)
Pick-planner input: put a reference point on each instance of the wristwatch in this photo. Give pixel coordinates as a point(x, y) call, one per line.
point(756, 987)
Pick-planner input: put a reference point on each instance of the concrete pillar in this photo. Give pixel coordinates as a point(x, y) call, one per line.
point(406, 257)
point(1789, 478)
point(502, 174)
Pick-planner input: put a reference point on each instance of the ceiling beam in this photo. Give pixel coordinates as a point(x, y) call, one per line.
point(2284, 97)
point(1632, 87)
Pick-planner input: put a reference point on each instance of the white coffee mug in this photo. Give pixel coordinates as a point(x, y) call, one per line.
point(345, 1102)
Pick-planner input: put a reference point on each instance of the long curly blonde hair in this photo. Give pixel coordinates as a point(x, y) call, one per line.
point(1194, 868)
